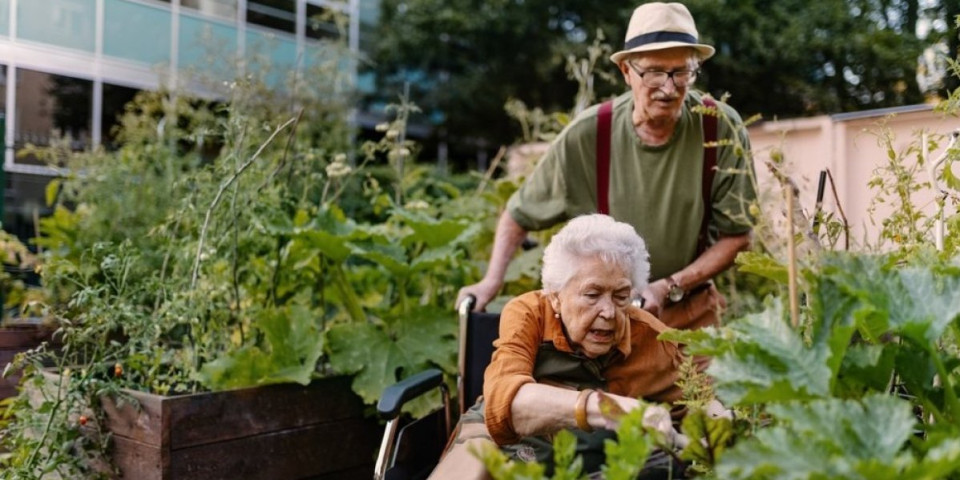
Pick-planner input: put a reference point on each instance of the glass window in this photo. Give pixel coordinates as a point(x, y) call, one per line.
point(115, 99)
point(226, 9)
point(5, 17)
point(135, 31)
point(276, 14)
point(272, 56)
point(322, 23)
point(67, 23)
point(207, 47)
point(48, 103)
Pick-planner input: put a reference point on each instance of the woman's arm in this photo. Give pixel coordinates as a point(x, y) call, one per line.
point(539, 409)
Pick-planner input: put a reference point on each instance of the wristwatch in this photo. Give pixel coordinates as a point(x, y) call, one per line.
point(675, 294)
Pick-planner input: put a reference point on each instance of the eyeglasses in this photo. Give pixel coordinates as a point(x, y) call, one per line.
point(657, 79)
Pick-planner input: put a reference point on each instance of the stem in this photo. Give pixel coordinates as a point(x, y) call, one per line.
point(950, 396)
point(493, 167)
point(275, 281)
point(235, 266)
point(223, 188)
point(348, 295)
point(836, 199)
point(286, 151)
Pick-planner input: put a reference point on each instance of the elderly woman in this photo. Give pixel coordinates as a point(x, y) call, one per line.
point(557, 346)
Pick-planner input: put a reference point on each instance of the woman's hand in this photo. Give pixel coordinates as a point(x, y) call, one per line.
point(658, 418)
point(715, 409)
point(654, 416)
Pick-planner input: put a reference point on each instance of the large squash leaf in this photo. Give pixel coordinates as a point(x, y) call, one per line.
point(379, 357)
point(760, 358)
point(828, 438)
point(291, 347)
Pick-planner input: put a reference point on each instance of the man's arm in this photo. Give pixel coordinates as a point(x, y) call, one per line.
point(508, 237)
point(709, 264)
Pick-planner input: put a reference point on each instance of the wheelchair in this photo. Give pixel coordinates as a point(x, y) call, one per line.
point(411, 449)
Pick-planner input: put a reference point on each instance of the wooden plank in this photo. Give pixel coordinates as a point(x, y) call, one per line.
point(222, 416)
point(143, 422)
point(8, 385)
point(364, 472)
point(342, 447)
point(22, 336)
point(14, 339)
point(139, 461)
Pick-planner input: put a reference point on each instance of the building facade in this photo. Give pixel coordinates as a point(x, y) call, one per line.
point(71, 65)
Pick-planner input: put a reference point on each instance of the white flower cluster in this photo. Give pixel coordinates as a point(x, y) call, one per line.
point(339, 168)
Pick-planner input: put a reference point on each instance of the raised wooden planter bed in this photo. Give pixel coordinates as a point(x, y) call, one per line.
point(16, 337)
point(273, 432)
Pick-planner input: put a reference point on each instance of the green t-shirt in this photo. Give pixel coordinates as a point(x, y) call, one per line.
point(655, 189)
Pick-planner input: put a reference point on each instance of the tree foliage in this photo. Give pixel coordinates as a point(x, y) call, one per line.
point(464, 59)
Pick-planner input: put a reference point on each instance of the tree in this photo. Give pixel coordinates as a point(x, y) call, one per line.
point(465, 58)
point(786, 58)
point(792, 58)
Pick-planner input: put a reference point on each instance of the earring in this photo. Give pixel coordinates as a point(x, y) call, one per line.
point(556, 315)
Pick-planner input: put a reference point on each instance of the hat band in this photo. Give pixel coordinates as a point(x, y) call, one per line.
point(657, 37)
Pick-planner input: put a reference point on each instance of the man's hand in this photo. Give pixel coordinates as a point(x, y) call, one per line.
point(655, 297)
point(506, 241)
point(484, 292)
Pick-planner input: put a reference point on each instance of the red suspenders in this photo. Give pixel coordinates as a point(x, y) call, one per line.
point(604, 120)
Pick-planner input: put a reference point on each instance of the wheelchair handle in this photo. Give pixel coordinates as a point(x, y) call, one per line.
point(466, 305)
point(396, 395)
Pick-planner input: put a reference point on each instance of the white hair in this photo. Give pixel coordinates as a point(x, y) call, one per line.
point(590, 236)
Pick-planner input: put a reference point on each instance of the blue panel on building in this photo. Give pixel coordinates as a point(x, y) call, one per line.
point(138, 32)
point(4, 18)
point(207, 45)
point(65, 23)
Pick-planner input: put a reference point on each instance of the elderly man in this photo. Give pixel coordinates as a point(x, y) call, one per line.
point(654, 159)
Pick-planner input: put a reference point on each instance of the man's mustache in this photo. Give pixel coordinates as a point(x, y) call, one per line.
point(665, 96)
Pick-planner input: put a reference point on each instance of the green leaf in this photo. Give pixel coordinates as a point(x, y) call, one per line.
point(526, 264)
point(628, 453)
point(940, 462)
point(500, 467)
point(51, 191)
point(828, 438)
point(567, 464)
point(336, 248)
point(391, 257)
point(763, 265)
point(432, 259)
point(292, 345)
point(380, 357)
point(865, 368)
point(928, 304)
point(432, 232)
point(709, 437)
point(767, 361)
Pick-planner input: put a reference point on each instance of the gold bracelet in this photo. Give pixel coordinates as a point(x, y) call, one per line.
point(580, 412)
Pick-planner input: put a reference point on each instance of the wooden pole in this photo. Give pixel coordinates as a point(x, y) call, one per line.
point(792, 262)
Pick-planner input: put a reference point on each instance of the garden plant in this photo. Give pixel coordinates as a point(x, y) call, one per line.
point(235, 242)
point(851, 373)
point(247, 240)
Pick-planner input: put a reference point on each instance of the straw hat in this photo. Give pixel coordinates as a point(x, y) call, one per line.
point(656, 26)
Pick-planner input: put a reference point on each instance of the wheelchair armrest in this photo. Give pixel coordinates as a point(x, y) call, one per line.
point(396, 395)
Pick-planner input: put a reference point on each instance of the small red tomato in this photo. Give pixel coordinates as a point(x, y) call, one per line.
point(117, 370)
point(82, 420)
